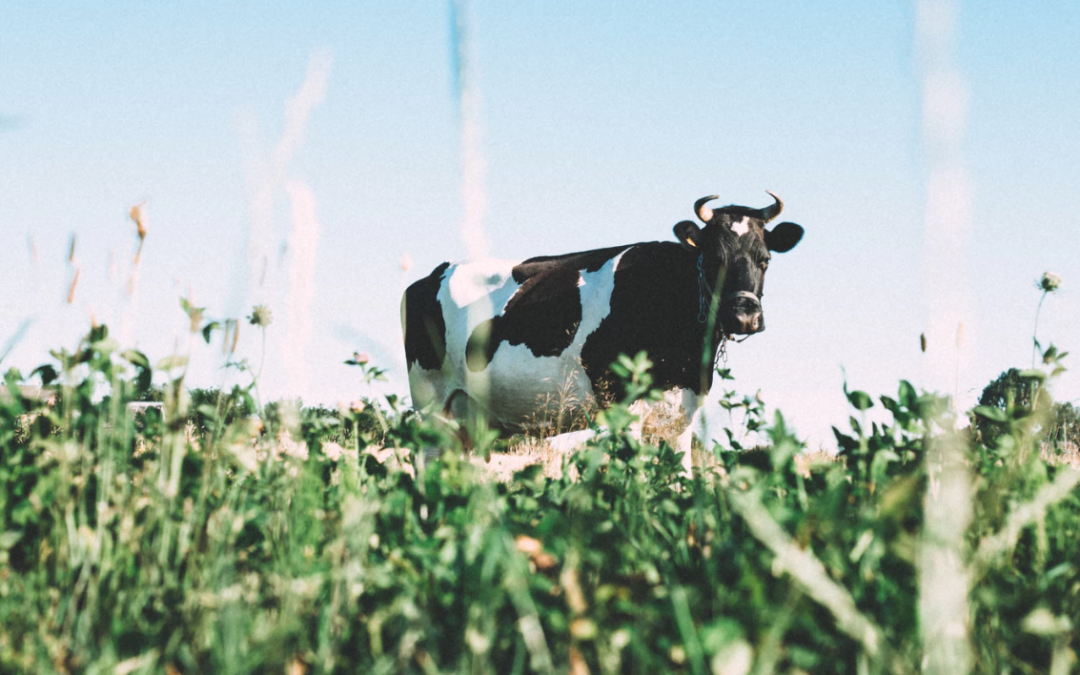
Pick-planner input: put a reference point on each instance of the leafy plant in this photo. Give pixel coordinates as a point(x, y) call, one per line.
point(202, 541)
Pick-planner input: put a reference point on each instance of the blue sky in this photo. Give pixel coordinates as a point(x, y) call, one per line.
point(602, 123)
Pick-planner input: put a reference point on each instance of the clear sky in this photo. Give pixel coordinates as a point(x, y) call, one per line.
point(601, 124)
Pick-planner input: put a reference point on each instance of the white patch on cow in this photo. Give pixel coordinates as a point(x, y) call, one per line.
point(469, 281)
point(741, 227)
point(691, 405)
point(596, 289)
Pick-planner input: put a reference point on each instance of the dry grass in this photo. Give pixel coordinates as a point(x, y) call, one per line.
point(1066, 453)
point(662, 422)
point(503, 465)
point(807, 461)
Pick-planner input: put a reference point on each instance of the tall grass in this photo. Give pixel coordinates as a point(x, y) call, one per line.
point(146, 543)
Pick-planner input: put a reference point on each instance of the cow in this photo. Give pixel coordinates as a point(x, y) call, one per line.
point(516, 339)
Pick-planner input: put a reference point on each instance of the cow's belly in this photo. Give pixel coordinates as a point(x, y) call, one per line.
point(527, 392)
point(520, 392)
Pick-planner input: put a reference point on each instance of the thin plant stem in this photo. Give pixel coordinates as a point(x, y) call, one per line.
point(258, 374)
point(1035, 334)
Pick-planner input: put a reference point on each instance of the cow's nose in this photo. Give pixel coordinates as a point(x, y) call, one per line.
point(747, 323)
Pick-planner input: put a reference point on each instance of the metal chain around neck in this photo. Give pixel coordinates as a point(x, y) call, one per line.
point(703, 286)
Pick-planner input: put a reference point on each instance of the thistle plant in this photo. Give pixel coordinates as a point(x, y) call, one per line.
point(262, 317)
point(371, 374)
point(1049, 283)
point(368, 371)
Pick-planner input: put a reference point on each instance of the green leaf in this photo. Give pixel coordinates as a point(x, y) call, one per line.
point(47, 373)
point(9, 539)
point(136, 358)
point(1041, 621)
point(208, 330)
point(846, 443)
point(893, 406)
point(991, 413)
point(170, 362)
point(908, 398)
point(1032, 374)
point(145, 377)
point(860, 399)
point(105, 345)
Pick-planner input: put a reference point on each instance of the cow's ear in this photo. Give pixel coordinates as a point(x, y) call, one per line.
point(783, 237)
point(689, 235)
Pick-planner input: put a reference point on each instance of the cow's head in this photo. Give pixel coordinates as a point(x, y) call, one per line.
point(735, 246)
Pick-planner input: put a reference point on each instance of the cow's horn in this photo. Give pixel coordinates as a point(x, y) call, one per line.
point(702, 211)
point(770, 212)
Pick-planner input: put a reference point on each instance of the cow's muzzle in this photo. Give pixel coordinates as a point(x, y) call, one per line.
point(741, 313)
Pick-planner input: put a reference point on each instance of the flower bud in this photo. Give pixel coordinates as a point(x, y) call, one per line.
point(1049, 282)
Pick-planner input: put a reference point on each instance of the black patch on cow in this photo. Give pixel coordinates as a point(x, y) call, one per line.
point(654, 307)
point(585, 261)
point(543, 315)
point(425, 329)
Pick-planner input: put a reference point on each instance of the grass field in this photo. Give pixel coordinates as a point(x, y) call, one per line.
point(218, 535)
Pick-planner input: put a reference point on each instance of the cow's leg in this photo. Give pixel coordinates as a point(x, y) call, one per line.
point(691, 406)
point(428, 389)
point(458, 408)
point(641, 409)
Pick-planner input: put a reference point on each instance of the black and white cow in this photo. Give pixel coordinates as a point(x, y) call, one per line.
point(516, 338)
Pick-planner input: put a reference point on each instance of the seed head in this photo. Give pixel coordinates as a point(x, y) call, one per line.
point(136, 214)
point(139, 219)
point(1050, 282)
point(261, 316)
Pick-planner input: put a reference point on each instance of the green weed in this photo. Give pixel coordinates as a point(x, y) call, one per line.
point(198, 537)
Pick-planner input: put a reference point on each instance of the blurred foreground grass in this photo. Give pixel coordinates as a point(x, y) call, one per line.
point(198, 539)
